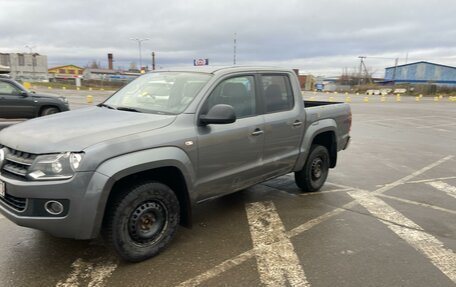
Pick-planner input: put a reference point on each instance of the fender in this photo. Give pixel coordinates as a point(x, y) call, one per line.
point(119, 167)
point(312, 131)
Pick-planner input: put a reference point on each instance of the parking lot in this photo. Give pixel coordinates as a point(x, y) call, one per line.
point(386, 217)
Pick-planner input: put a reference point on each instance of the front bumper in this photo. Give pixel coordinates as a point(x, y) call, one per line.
point(80, 196)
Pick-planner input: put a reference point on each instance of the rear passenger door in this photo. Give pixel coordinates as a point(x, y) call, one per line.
point(284, 124)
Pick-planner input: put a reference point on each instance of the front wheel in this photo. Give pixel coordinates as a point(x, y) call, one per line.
point(143, 221)
point(315, 171)
point(49, 111)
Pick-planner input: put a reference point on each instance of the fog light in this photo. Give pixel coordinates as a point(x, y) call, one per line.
point(53, 207)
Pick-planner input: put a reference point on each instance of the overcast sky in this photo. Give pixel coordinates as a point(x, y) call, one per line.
point(321, 37)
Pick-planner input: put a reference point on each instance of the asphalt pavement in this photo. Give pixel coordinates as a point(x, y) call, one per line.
point(386, 217)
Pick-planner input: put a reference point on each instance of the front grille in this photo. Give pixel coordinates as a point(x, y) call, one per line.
point(17, 162)
point(17, 203)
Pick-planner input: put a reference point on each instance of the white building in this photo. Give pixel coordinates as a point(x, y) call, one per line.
point(25, 66)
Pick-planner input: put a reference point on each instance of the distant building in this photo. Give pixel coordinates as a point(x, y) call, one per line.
point(65, 72)
point(421, 73)
point(4, 69)
point(108, 75)
point(307, 82)
point(98, 74)
point(25, 66)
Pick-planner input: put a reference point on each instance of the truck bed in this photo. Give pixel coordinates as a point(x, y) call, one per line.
point(309, 104)
point(321, 111)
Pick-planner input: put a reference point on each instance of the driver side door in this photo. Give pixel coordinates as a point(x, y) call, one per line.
point(230, 155)
point(13, 103)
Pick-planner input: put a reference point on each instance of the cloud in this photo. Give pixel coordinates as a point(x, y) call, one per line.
point(316, 36)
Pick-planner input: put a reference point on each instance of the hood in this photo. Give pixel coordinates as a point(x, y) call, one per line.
point(51, 96)
point(79, 129)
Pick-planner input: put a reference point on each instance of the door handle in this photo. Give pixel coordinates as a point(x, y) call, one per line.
point(297, 123)
point(257, 132)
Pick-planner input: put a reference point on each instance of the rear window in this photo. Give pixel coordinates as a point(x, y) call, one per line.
point(277, 93)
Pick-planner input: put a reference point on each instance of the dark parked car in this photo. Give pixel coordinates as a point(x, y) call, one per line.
point(16, 102)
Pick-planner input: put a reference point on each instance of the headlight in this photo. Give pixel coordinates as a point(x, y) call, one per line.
point(2, 156)
point(55, 166)
point(63, 99)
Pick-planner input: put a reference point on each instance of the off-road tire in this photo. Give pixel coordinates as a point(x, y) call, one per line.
point(142, 221)
point(315, 171)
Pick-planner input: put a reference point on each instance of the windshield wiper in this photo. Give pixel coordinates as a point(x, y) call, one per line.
point(127, 109)
point(106, 106)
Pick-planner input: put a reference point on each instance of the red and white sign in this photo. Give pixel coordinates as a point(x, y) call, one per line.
point(200, 62)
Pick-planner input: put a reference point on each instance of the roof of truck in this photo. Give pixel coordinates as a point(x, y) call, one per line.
point(223, 69)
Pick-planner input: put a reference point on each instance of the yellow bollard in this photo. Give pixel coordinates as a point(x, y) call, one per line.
point(27, 85)
point(440, 97)
point(331, 99)
point(383, 99)
point(49, 88)
point(357, 94)
point(89, 99)
point(398, 98)
point(78, 88)
point(436, 99)
point(421, 95)
point(346, 93)
point(348, 100)
point(366, 99)
point(63, 88)
point(312, 98)
point(417, 99)
point(90, 89)
point(335, 93)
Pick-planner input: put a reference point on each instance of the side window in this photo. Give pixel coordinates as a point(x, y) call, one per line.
point(277, 93)
point(238, 92)
point(7, 88)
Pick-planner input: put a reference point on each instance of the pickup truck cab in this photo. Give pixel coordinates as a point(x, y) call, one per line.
point(133, 166)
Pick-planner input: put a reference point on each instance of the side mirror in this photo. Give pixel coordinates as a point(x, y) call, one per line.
point(23, 94)
point(219, 114)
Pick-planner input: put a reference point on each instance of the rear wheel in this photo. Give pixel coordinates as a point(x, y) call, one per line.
point(49, 111)
point(143, 221)
point(315, 171)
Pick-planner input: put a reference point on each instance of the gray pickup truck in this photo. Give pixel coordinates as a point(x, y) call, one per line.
point(131, 168)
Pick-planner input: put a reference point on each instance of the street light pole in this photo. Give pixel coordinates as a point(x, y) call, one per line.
point(140, 40)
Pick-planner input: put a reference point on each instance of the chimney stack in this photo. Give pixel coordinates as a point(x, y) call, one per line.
point(110, 61)
point(153, 61)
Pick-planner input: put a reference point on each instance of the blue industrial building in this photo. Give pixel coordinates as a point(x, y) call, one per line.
point(422, 73)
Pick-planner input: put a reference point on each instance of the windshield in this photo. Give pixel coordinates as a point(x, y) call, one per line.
point(162, 92)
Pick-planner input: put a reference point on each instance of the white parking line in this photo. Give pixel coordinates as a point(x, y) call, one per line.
point(95, 274)
point(415, 174)
point(442, 258)
point(418, 203)
point(437, 126)
point(241, 258)
point(277, 260)
point(432, 179)
point(440, 185)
